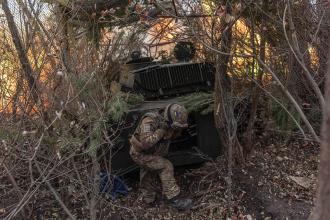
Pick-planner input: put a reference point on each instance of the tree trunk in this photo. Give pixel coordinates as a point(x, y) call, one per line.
point(322, 210)
point(256, 92)
point(27, 70)
point(300, 83)
point(18, 90)
point(95, 187)
point(295, 48)
point(224, 110)
point(65, 42)
point(323, 37)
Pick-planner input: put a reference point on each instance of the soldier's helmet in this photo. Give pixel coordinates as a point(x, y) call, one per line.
point(176, 115)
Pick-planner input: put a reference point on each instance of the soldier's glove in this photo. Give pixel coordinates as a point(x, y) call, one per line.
point(163, 125)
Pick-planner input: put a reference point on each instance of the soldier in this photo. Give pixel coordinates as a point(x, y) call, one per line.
point(149, 146)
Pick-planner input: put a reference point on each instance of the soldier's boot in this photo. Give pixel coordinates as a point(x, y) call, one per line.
point(180, 203)
point(148, 196)
point(149, 200)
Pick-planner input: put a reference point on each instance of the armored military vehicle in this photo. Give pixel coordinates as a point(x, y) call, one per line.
point(161, 84)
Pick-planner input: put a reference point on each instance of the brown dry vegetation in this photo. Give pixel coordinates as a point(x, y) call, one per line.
point(57, 64)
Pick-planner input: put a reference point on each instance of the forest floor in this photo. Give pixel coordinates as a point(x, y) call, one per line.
point(277, 182)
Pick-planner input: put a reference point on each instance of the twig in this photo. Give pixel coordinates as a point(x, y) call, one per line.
point(292, 100)
point(283, 107)
point(299, 57)
point(66, 210)
point(33, 156)
point(13, 181)
point(204, 192)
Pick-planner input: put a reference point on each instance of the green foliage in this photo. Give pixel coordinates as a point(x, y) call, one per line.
point(65, 142)
point(121, 103)
point(100, 107)
point(96, 136)
point(282, 118)
point(10, 134)
point(49, 141)
point(5, 134)
point(95, 25)
point(198, 102)
point(117, 108)
point(314, 114)
point(133, 99)
point(90, 85)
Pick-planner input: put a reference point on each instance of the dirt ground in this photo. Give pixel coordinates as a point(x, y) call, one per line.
point(277, 182)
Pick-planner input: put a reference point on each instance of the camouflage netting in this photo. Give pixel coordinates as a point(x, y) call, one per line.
point(121, 103)
point(198, 102)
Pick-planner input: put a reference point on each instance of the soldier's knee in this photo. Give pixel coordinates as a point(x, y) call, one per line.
point(168, 165)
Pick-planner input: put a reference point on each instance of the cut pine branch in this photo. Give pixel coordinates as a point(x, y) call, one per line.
point(292, 100)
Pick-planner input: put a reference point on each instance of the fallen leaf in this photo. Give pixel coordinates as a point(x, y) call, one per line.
point(301, 181)
point(279, 158)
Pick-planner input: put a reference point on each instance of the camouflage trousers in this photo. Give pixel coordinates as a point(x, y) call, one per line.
point(153, 166)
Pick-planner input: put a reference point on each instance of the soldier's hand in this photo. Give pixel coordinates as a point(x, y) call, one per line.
point(163, 125)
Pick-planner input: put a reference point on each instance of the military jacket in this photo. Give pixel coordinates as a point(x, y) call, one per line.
point(151, 137)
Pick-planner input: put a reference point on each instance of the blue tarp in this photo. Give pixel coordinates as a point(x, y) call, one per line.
point(112, 185)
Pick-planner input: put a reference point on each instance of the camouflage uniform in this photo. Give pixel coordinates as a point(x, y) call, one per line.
point(149, 145)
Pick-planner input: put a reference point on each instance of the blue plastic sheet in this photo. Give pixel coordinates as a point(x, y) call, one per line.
point(113, 185)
